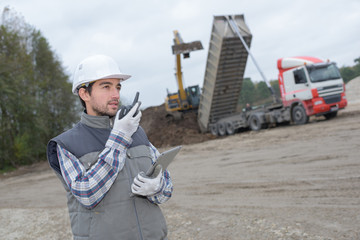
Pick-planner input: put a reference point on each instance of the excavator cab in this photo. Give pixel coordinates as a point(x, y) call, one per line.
point(193, 96)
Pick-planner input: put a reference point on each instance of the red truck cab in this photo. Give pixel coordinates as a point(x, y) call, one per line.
point(310, 86)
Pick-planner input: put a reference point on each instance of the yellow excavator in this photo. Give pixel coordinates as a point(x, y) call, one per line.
point(185, 99)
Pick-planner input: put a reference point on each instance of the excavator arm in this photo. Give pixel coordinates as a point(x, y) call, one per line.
point(179, 48)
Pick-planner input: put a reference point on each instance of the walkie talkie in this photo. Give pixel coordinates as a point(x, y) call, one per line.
point(125, 109)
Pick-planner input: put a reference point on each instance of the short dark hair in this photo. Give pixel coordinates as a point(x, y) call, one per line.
point(88, 89)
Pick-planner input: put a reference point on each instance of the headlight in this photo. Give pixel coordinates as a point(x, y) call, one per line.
point(318, 102)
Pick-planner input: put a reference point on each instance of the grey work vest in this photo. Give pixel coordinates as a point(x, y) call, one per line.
point(119, 215)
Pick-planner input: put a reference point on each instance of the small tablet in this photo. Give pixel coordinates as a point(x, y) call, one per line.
point(164, 160)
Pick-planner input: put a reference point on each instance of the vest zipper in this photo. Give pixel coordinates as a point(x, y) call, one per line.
point(133, 199)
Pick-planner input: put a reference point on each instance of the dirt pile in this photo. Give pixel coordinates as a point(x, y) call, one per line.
point(353, 90)
point(164, 133)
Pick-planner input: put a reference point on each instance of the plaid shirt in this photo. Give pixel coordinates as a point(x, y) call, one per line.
point(90, 186)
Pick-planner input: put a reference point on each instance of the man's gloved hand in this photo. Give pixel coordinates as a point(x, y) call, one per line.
point(129, 123)
point(147, 186)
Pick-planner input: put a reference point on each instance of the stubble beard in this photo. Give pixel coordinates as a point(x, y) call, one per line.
point(103, 111)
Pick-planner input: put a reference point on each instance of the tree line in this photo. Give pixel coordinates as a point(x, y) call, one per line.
point(257, 93)
point(36, 102)
point(349, 73)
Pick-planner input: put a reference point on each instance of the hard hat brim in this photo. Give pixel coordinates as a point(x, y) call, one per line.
point(122, 78)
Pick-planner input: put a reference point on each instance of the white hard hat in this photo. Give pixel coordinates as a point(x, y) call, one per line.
point(95, 68)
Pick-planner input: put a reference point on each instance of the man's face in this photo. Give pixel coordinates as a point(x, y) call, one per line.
point(104, 98)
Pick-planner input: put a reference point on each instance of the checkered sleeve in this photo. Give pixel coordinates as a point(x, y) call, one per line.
point(165, 192)
point(90, 186)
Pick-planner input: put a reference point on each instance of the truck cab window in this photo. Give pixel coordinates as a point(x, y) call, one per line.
point(299, 76)
point(323, 72)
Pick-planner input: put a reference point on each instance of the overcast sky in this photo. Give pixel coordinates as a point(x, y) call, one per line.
point(139, 35)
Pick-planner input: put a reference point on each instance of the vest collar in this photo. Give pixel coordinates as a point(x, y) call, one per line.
point(96, 121)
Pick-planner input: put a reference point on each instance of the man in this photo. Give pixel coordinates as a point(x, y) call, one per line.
point(101, 161)
point(248, 107)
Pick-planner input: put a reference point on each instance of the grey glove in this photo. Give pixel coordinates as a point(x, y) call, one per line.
point(129, 123)
point(147, 186)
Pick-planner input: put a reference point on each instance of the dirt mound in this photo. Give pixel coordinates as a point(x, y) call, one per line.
point(353, 90)
point(165, 133)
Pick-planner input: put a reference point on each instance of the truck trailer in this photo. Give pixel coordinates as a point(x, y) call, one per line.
point(308, 85)
point(224, 72)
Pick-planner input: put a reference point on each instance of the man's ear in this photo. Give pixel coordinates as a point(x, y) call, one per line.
point(84, 95)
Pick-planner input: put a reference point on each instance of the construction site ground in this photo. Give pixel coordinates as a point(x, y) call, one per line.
point(288, 182)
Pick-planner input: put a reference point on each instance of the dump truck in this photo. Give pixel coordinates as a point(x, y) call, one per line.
point(308, 86)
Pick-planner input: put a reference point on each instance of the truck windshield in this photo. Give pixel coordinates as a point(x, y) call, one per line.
point(323, 72)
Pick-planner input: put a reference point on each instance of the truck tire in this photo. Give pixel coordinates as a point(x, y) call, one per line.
point(230, 129)
point(330, 115)
point(214, 129)
point(255, 122)
point(221, 128)
point(299, 116)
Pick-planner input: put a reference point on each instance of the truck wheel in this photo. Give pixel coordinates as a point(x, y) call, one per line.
point(221, 128)
point(330, 115)
point(230, 130)
point(299, 115)
point(214, 129)
point(255, 123)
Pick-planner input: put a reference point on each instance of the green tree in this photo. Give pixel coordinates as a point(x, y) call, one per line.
point(275, 85)
point(349, 73)
point(262, 92)
point(247, 92)
point(53, 94)
point(257, 93)
point(35, 96)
